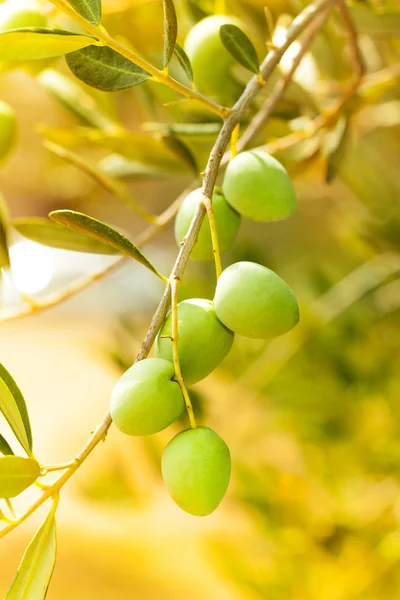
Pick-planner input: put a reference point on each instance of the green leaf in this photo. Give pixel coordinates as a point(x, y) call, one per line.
point(184, 61)
point(120, 167)
point(105, 69)
point(13, 407)
point(32, 43)
point(4, 254)
point(335, 146)
point(36, 568)
point(182, 151)
point(89, 9)
point(51, 234)
point(5, 447)
point(240, 47)
point(170, 30)
point(102, 232)
point(71, 95)
point(17, 474)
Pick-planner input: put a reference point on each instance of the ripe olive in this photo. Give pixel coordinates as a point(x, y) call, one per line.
point(21, 13)
point(210, 60)
point(196, 467)
point(146, 399)
point(203, 340)
point(254, 301)
point(258, 187)
point(8, 130)
point(227, 222)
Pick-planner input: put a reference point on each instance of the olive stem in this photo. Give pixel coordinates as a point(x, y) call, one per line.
point(214, 236)
point(60, 467)
point(234, 140)
point(101, 34)
point(175, 281)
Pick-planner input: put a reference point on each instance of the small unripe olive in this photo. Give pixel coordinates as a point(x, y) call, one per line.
point(8, 130)
point(146, 399)
point(21, 13)
point(227, 222)
point(258, 187)
point(210, 59)
point(255, 302)
point(203, 340)
point(196, 467)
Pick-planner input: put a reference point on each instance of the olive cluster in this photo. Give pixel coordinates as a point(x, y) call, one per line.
point(250, 300)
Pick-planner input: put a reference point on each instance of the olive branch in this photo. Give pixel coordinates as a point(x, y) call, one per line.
point(308, 22)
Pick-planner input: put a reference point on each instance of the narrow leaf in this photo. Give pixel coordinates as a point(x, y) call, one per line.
point(240, 47)
point(114, 187)
point(182, 151)
point(5, 447)
point(13, 407)
point(117, 165)
point(89, 9)
point(51, 234)
point(170, 30)
point(32, 43)
point(184, 61)
point(105, 69)
point(335, 147)
point(101, 232)
point(17, 474)
point(36, 568)
point(73, 97)
point(4, 254)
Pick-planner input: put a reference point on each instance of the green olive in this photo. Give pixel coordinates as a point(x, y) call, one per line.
point(258, 187)
point(196, 467)
point(8, 130)
point(255, 302)
point(210, 60)
point(227, 222)
point(203, 340)
point(146, 399)
point(21, 13)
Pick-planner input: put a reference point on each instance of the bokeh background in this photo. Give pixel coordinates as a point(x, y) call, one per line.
point(312, 418)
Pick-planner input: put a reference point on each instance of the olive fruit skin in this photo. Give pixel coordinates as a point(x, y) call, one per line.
point(255, 302)
point(196, 467)
point(203, 340)
point(8, 130)
point(21, 13)
point(210, 60)
point(227, 222)
point(259, 187)
point(145, 399)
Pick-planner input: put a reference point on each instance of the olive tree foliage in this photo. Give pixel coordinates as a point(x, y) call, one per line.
point(234, 95)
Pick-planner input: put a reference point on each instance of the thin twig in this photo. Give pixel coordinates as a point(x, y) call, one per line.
point(355, 52)
point(174, 341)
point(214, 236)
